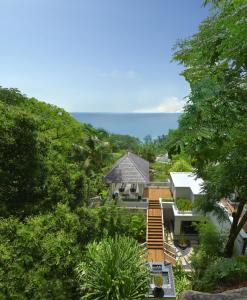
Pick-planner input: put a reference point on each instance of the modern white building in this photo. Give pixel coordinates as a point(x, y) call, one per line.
point(185, 185)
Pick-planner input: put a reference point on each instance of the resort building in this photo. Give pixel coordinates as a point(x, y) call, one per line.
point(185, 185)
point(185, 188)
point(170, 213)
point(128, 179)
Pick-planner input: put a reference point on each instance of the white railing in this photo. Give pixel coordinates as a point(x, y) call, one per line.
point(158, 184)
point(162, 218)
point(170, 249)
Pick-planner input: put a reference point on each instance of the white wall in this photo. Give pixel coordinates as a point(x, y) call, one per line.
point(183, 192)
point(224, 227)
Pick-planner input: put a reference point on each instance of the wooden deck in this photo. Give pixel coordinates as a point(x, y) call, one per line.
point(156, 193)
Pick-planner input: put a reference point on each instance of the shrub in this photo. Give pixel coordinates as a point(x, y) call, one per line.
point(181, 165)
point(184, 204)
point(209, 250)
point(223, 272)
point(181, 277)
point(158, 280)
point(114, 269)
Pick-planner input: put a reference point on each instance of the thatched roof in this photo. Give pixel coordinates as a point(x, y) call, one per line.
point(129, 169)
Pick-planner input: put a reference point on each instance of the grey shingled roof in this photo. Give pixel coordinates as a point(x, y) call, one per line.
point(129, 169)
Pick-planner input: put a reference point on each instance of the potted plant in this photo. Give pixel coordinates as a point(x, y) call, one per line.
point(158, 291)
point(182, 243)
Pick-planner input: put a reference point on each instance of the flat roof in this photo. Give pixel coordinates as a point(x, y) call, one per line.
point(188, 180)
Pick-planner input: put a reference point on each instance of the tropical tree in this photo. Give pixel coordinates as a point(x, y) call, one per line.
point(213, 125)
point(180, 165)
point(114, 269)
point(39, 256)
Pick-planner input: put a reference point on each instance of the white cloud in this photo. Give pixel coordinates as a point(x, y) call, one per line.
point(123, 75)
point(168, 105)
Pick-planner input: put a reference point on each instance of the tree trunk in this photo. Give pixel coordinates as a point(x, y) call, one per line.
point(235, 228)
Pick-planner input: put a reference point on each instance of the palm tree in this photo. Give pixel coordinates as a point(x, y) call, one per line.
point(114, 269)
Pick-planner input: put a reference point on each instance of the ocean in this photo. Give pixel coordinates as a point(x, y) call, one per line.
point(135, 124)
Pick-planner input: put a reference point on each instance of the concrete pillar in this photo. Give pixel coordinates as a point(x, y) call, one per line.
point(244, 247)
point(177, 226)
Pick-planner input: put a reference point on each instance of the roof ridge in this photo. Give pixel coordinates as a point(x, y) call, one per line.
point(117, 163)
point(136, 164)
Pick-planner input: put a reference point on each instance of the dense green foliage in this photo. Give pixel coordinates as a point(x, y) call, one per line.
point(121, 142)
point(223, 273)
point(50, 167)
point(212, 128)
point(159, 171)
point(182, 279)
point(39, 255)
point(46, 156)
point(180, 165)
point(114, 269)
point(184, 204)
point(211, 270)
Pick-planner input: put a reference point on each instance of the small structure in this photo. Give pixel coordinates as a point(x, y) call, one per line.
point(128, 177)
point(163, 158)
point(167, 286)
point(185, 185)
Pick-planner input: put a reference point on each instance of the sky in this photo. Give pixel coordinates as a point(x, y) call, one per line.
point(97, 55)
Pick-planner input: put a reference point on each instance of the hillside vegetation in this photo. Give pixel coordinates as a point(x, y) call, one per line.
point(50, 167)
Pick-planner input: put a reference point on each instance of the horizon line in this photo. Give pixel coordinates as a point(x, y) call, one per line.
point(113, 112)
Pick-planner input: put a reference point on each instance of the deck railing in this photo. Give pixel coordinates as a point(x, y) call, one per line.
point(158, 184)
point(170, 249)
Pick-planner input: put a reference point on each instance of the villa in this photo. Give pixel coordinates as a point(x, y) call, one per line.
point(128, 177)
point(184, 185)
point(169, 208)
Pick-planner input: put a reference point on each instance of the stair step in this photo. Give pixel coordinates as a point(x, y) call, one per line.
point(155, 222)
point(155, 247)
point(155, 226)
point(158, 235)
point(153, 234)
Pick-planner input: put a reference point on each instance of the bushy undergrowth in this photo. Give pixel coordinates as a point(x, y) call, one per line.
point(184, 204)
point(223, 272)
point(211, 269)
point(182, 279)
point(114, 268)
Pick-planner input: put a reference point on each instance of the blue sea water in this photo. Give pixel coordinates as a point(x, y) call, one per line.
point(135, 124)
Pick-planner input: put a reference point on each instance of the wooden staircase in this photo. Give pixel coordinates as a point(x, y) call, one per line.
point(155, 241)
